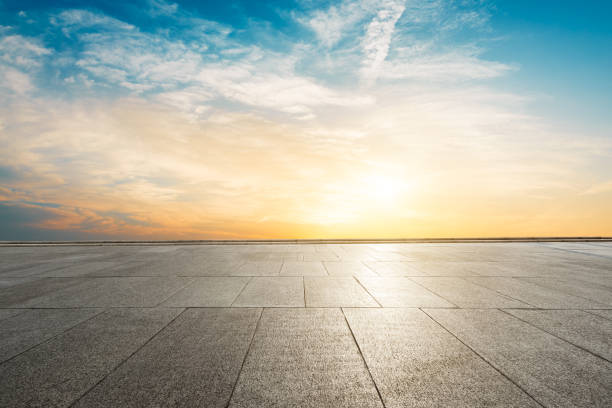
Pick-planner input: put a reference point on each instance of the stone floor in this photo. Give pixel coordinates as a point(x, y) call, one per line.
point(307, 325)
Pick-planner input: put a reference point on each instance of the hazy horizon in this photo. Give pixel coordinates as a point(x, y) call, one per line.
point(305, 119)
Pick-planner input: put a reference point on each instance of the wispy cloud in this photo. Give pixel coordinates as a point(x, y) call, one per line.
point(378, 37)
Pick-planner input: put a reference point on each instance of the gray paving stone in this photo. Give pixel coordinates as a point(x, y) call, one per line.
point(467, 268)
point(194, 361)
point(390, 269)
point(401, 292)
point(58, 372)
point(6, 313)
point(329, 291)
point(344, 268)
point(576, 287)
point(35, 269)
point(551, 370)
point(8, 282)
point(319, 256)
point(220, 268)
point(210, 291)
point(535, 295)
point(291, 268)
point(113, 292)
point(278, 291)
point(28, 292)
point(416, 363)
point(32, 327)
point(79, 269)
point(466, 294)
point(603, 313)
point(265, 268)
point(593, 333)
point(304, 358)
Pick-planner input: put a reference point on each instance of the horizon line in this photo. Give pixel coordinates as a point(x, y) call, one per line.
point(311, 241)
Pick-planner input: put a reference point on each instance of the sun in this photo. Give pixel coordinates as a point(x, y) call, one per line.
point(383, 189)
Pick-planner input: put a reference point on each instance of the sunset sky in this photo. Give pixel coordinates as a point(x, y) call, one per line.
point(309, 119)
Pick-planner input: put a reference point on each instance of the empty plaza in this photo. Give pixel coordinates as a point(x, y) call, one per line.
point(474, 324)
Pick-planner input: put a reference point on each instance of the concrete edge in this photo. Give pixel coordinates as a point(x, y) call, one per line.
point(310, 241)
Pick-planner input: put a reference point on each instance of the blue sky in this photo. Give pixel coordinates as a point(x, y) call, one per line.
point(257, 119)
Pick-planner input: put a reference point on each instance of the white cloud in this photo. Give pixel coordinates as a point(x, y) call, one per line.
point(17, 81)
point(161, 8)
point(22, 51)
point(72, 20)
point(443, 67)
point(376, 41)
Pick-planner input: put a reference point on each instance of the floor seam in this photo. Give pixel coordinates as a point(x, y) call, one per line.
point(556, 336)
point(363, 358)
point(126, 359)
point(367, 291)
point(432, 292)
point(501, 293)
point(53, 337)
point(241, 290)
point(484, 359)
point(229, 400)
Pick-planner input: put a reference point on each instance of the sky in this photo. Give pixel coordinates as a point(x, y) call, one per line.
point(154, 119)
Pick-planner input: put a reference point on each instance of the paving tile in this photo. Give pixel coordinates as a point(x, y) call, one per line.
point(336, 292)
point(603, 313)
point(28, 292)
point(32, 327)
point(416, 363)
point(220, 268)
point(291, 268)
point(113, 292)
point(551, 370)
point(6, 313)
point(593, 333)
point(304, 358)
point(8, 282)
point(265, 268)
point(57, 372)
point(394, 268)
point(344, 268)
point(535, 295)
point(35, 269)
point(320, 256)
point(194, 361)
point(401, 292)
point(466, 294)
point(210, 291)
point(466, 268)
point(576, 287)
point(79, 269)
point(278, 291)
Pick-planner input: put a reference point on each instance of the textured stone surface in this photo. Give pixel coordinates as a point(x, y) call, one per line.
point(113, 292)
point(415, 362)
point(106, 325)
point(551, 370)
point(304, 358)
point(211, 291)
point(402, 292)
point(593, 333)
point(291, 268)
point(336, 292)
point(32, 327)
point(195, 361)
point(280, 291)
point(466, 294)
point(58, 372)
